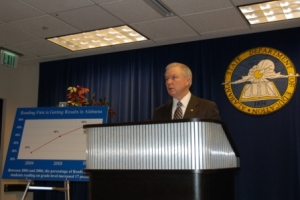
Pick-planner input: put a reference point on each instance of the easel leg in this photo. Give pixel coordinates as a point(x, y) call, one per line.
point(67, 192)
point(25, 192)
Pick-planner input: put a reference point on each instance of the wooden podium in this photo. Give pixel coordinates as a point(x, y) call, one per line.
point(182, 159)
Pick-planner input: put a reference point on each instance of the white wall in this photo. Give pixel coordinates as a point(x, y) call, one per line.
point(18, 88)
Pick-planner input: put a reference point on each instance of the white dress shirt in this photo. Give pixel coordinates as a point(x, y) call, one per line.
point(185, 100)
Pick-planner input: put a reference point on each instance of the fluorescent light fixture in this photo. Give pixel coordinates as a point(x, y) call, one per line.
point(160, 7)
point(98, 38)
point(271, 11)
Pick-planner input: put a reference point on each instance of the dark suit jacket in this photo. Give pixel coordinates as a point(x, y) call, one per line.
point(197, 108)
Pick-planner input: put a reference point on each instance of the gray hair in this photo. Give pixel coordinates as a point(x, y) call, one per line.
point(185, 70)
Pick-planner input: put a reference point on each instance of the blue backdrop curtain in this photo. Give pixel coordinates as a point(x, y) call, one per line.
point(133, 84)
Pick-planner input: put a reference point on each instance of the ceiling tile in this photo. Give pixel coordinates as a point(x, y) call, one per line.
point(217, 20)
point(132, 11)
point(45, 26)
point(41, 48)
point(165, 28)
point(181, 7)
point(225, 33)
point(11, 35)
point(59, 56)
point(77, 54)
point(104, 1)
point(245, 2)
point(13, 10)
point(29, 61)
point(94, 51)
point(51, 6)
point(27, 56)
point(89, 18)
point(134, 45)
point(182, 39)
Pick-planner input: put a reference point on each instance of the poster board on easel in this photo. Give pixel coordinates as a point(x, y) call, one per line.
point(50, 143)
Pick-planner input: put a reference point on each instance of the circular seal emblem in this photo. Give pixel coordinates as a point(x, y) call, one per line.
point(260, 81)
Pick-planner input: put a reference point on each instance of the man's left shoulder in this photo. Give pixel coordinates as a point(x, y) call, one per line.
point(201, 100)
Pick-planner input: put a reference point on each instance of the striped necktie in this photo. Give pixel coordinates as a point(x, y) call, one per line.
point(178, 111)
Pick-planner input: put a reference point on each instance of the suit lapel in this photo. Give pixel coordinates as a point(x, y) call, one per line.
point(191, 109)
point(168, 111)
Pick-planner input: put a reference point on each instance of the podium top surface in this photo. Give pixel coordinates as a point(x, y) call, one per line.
point(155, 122)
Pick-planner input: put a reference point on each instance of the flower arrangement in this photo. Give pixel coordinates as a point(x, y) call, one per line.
point(76, 98)
point(103, 102)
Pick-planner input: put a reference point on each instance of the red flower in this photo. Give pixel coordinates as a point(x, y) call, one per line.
point(103, 102)
point(76, 96)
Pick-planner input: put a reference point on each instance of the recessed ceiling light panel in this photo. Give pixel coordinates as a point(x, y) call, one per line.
point(99, 38)
point(271, 11)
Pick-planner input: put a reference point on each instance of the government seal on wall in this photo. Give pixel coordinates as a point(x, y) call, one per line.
point(260, 81)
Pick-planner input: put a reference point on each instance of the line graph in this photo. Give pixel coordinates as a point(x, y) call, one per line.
point(54, 139)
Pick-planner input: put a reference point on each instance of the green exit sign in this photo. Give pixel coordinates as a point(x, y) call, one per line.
point(8, 58)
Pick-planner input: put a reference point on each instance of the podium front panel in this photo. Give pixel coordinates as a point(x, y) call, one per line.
point(186, 145)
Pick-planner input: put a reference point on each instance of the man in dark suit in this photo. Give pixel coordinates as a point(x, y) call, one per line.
point(178, 78)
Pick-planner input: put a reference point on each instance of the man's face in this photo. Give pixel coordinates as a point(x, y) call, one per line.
point(177, 85)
